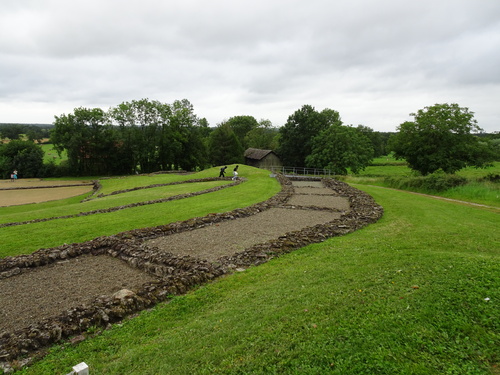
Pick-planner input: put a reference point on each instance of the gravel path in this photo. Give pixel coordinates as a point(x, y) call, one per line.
point(211, 243)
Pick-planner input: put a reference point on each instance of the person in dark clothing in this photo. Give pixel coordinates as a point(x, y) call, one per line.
point(222, 171)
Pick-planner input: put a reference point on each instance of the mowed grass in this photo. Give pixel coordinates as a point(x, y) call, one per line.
point(51, 155)
point(476, 190)
point(415, 293)
point(25, 239)
point(72, 206)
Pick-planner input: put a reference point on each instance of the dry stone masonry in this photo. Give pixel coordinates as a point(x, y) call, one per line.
point(174, 274)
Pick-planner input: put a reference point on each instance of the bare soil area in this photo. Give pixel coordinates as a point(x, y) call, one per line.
point(15, 197)
point(213, 242)
point(25, 191)
point(49, 290)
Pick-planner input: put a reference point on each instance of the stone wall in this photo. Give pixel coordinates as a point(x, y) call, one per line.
point(176, 274)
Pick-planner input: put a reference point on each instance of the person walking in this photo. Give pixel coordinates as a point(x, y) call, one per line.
point(235, 173)
point(223, 171)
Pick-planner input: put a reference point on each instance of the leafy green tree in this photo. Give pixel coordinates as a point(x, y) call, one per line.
point(224, 146)
point(89, 141)
point(23, 156)
point(264, 136)
point(440, 137)
point(241, 125)
point(295, 141)
point(160, 136)
point(188, 135)
point(36, 133)
point(144, 131)
point(340, 148)
point(12, 131)
point(378, 140)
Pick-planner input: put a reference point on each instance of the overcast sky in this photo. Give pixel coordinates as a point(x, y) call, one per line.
point(375, 62)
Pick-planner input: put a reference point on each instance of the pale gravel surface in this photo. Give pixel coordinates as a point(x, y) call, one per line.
point(312, 190)
point(227, 238)
point(316, 184)
point(324, 201)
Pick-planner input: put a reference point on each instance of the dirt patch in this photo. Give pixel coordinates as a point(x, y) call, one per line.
point(26, 191)
point(27, 196)
point(213, 242)
point(312, 190)
point(47, 291)
point(325, 201)
point(308, 183)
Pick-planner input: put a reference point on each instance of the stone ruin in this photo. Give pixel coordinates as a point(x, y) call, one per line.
point(175, 274)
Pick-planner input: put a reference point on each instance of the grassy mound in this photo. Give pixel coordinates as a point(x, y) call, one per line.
point(14, 240)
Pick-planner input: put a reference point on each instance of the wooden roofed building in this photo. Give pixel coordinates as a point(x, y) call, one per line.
point(259, 158)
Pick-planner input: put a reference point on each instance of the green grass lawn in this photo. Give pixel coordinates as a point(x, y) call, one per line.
point(52, 155)
point(74, 205)
point(475, 190)
point(415, 293)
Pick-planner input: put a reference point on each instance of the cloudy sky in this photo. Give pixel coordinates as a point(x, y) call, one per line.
point(373, 61)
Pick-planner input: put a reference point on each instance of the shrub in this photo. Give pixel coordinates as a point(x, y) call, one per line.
point(434, 182)
point(492, 177)
point(51, 169)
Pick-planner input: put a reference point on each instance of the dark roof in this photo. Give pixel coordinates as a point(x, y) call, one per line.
point(257, 153)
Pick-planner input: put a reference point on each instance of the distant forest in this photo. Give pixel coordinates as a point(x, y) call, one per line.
point(34, 132)
point(144, 136)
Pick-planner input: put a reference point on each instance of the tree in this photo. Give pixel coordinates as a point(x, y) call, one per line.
point(241, 125)
point(440, 137)
point(160, 136)
point(12, 131)
point(378, 140)
point(264, 136)
point(340, 148)
point(24, 156)
point(36, 133)
point(188, 133)
point(224, 146)
point(89, 141)
point(145, 133)
point(295, 141)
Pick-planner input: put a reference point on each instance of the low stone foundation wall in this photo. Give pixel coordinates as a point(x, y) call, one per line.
point(176, 275)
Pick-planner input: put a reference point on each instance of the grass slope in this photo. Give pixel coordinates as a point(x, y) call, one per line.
point(25, 239)
point(476, 190)
point(415, 293)
point(73, 206)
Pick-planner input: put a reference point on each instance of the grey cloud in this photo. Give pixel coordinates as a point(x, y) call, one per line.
point(375, 61)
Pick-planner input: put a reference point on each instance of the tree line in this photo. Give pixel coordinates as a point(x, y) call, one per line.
point(442, 137)
point(33, 132)
point(143, 136)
